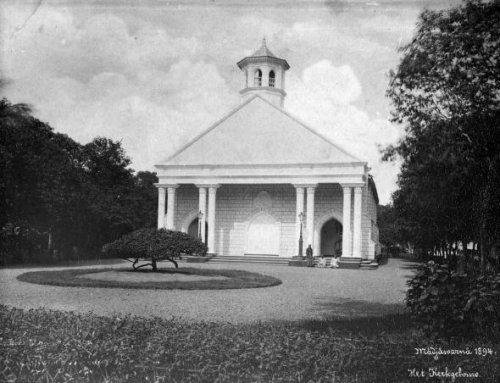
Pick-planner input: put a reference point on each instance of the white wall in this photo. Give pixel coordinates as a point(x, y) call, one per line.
point(236, 207)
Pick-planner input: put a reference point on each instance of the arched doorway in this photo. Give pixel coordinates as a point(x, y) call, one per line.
point(263, 235)
point(193, 229)
point(331, 238)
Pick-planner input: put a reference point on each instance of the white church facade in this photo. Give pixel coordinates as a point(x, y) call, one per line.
point(259, 179)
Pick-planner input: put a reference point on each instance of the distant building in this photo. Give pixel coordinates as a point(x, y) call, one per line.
point(259, 177)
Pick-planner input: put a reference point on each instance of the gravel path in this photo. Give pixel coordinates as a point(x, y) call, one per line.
point(306, 293)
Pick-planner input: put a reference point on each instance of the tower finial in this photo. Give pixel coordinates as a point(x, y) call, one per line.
point(264, 41)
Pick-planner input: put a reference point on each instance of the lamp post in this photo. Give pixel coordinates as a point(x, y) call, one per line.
point(200, 216)
point(301, 241)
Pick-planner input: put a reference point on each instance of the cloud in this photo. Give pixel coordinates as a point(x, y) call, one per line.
point(336, 84)
point(96, 78)
point(323, 97)
point(153, 77)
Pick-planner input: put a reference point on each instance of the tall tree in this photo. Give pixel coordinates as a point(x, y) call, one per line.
point(445, 92)
point(75, 195)
point(41, 174)
point(389, 228)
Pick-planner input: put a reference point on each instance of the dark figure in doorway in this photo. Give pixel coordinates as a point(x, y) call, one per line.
point(309, 252)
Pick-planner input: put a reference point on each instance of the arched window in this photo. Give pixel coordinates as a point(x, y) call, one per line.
point(257, 79)
point(272, 78)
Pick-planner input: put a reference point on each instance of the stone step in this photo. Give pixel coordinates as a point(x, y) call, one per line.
point(251, 259)
point(369, 264)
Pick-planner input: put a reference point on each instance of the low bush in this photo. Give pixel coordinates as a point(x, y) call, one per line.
point(154, 245)
point(452, 304)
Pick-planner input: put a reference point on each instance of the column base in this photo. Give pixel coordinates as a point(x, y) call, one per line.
point(349, 263)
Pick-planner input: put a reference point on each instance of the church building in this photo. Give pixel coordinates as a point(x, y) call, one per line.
point(258, 180)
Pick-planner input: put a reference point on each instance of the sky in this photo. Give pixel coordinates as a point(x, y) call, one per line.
point(154, 74)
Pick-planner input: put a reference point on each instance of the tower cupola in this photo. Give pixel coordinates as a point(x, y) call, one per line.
point(264, 75)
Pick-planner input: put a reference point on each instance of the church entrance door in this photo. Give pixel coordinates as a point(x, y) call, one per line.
point(331, 238)
point(263, 236)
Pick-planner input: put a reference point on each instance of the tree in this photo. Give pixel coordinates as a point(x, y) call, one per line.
point(41, 175)
point(120, 201)
point(76, 196)
point(389, 228)
point(445, 92)
point(153, 246)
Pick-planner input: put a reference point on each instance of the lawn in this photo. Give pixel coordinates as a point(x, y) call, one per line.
point(184, 278)
point(52, 346)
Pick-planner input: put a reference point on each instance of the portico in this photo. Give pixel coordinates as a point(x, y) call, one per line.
point(348, 213)
point(259, 178)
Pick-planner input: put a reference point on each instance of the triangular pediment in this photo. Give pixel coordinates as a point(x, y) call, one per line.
point(259, 133)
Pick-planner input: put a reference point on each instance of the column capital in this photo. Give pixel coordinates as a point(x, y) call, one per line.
point(168, 186)
point(358, 189)
point(303, 186)
point(352, 185)
point(210, 186)
point(201, 186)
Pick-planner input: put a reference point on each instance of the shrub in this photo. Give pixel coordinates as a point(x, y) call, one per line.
point(154, 245)
point(450, 304)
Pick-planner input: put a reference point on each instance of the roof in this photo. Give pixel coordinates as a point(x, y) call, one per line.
point(373, 188)
point(259, 133)
point(263, 54)
point(263, 51)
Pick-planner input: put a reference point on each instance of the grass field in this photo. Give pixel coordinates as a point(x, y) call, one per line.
point(143, 279)
point(51, 346)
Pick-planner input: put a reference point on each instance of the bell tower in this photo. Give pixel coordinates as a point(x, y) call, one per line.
point(264, 75)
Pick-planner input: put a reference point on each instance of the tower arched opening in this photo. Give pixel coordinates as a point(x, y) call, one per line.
point(257, 79)
point(272, 79)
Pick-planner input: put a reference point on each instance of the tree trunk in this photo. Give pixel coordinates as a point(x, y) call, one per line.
point(174, 262)
point(465, 257)
point(487, 211)
point(49, 241)
point(153, 265)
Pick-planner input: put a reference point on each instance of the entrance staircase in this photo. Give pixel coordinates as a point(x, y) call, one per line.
point(368, 264)
point(272, 260)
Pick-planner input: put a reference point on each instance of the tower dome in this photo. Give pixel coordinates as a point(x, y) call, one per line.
point(264, 75)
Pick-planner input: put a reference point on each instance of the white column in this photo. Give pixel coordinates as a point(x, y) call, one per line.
point(265, 76)
point(212, 189)
point(202, 203)
point(161, 207)
point(356, 231)
point(170, 224)
point(298, 211)
point(346, 222)
point(310, 216)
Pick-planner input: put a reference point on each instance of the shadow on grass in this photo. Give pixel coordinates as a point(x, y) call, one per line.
point(360, 317)
point(408, 264)
point(361, 326)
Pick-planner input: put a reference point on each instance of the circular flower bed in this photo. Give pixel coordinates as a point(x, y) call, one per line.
point(186, 278)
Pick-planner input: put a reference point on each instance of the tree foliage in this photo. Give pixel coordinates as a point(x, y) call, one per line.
point(453, 304)
point(389, 229)
point(445, 92)
point(75, 197)
point(154, 245)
